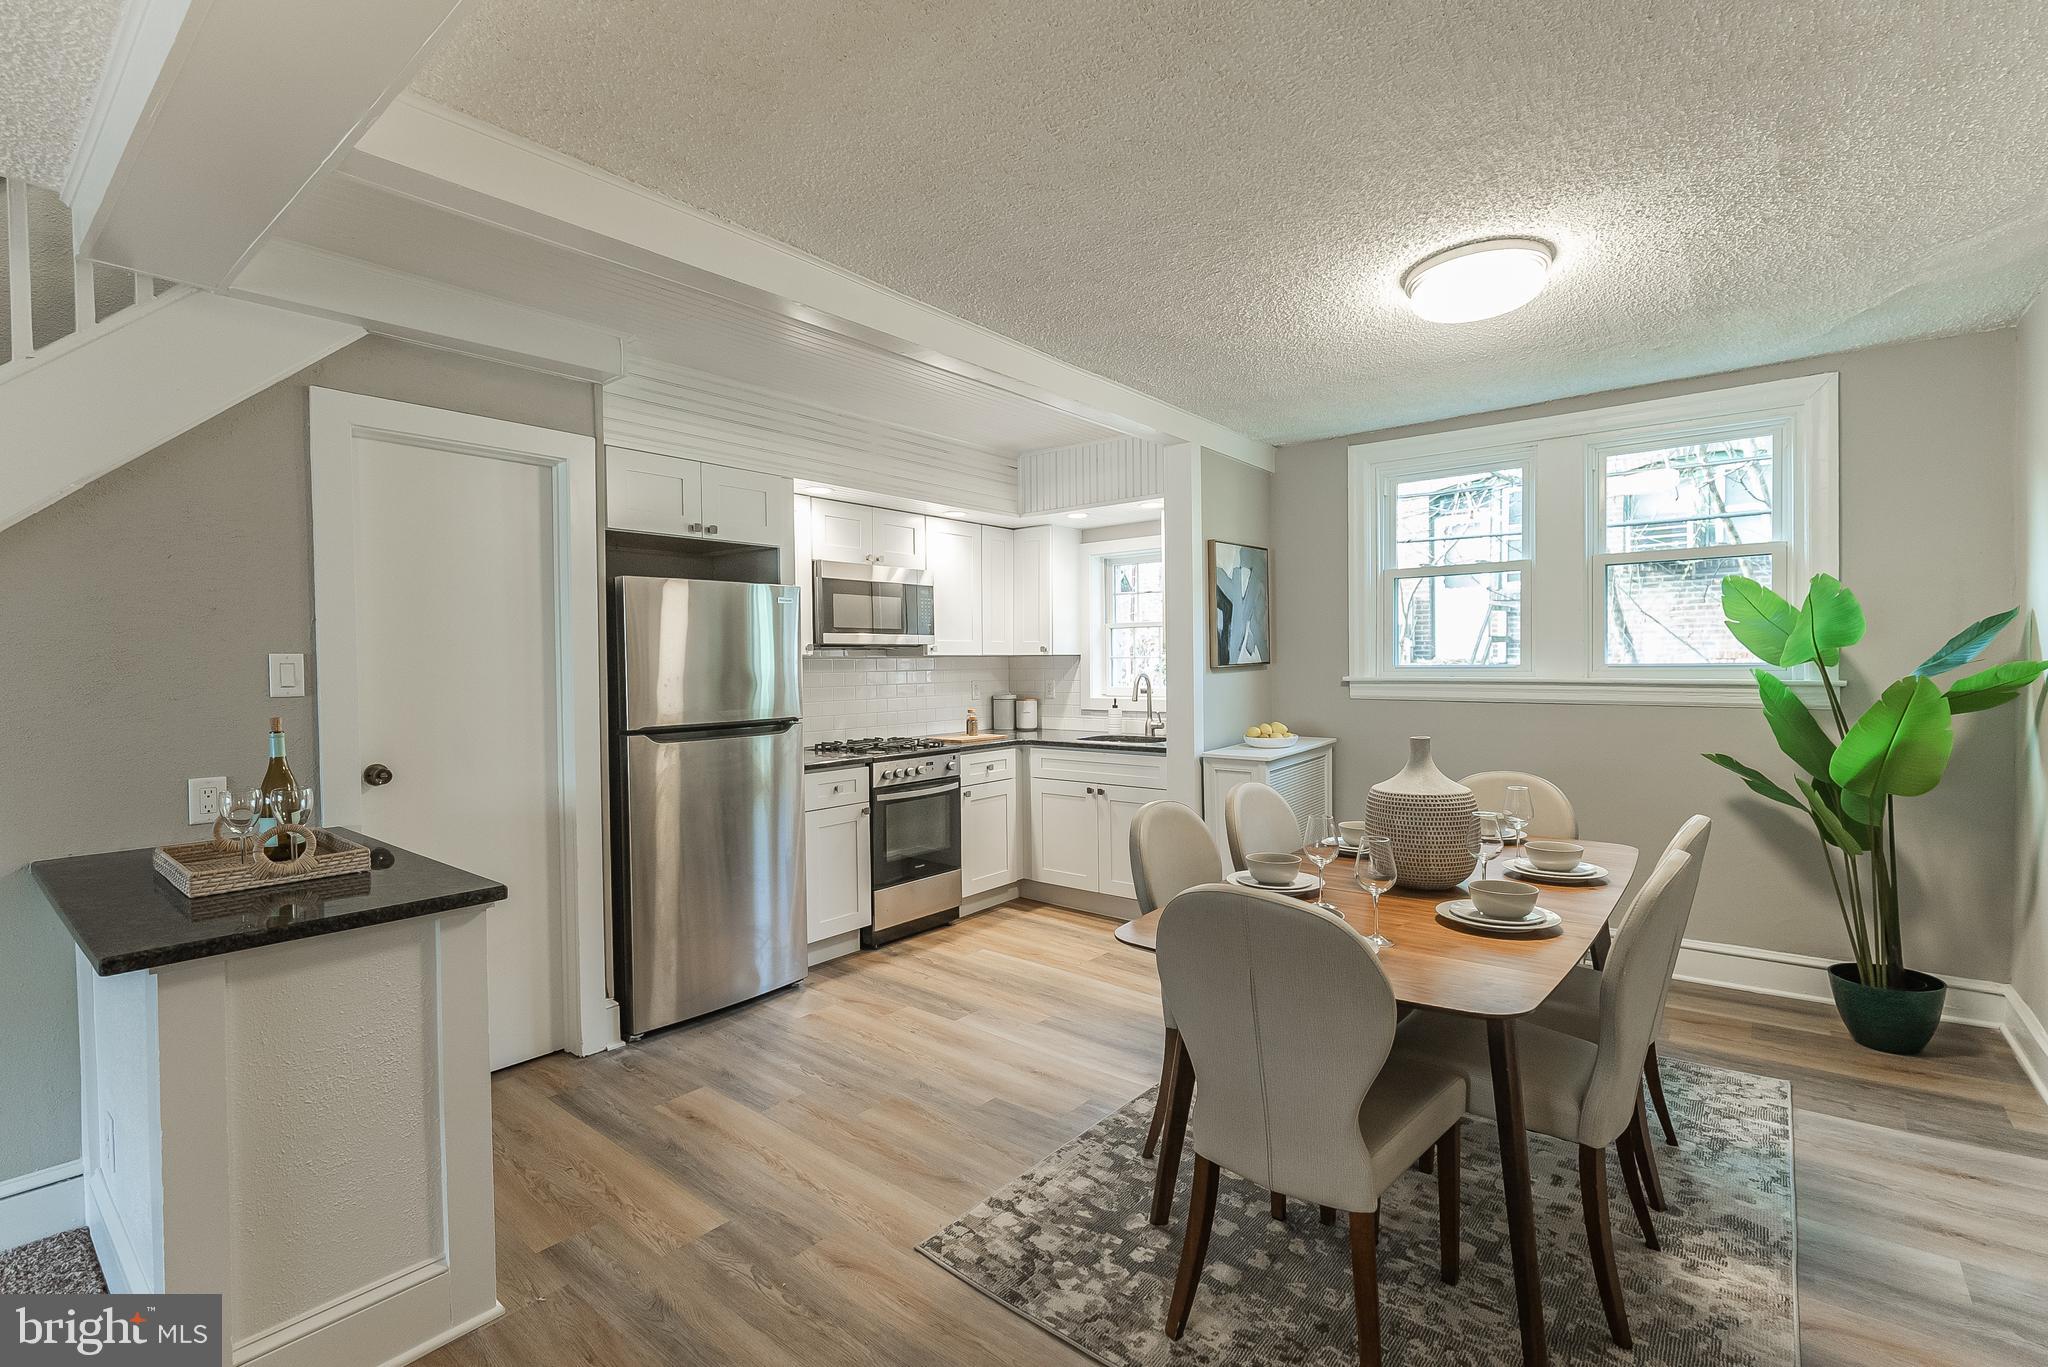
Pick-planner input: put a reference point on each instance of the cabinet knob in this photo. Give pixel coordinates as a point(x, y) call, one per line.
point(711, 530)
point(376, 775)
point(696, 526)
point(863, 811)
point(1041, 650)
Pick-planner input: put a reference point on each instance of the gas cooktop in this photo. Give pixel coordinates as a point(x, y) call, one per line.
point(876, 747)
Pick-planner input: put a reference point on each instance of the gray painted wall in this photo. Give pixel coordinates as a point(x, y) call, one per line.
point(1237, 505)
point(2030, 913)
point(1927, 545)
point(135, 661)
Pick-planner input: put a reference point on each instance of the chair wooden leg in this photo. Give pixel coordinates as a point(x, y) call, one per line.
point(1280, 1207)
point(1427, 1163)
point(1159, 1104)
point(1600, 1240)
point(1447, 1162)
point(1656, 1081)
point(1633, 1146)
point(1172, 1135)
point(1326, 1214)
point(1646, 1157)
point(1194, 1248)
point(1365, 1284)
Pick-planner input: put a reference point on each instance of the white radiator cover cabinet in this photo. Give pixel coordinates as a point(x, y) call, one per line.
point(1304, 775)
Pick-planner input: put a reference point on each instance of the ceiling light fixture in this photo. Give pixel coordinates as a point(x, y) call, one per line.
point(1479, 279)
point(1077, 514)
point(817, 489)
point(1153, 503)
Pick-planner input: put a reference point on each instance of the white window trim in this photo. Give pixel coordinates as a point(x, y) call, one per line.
point(1095, 640)
point(1566, 666)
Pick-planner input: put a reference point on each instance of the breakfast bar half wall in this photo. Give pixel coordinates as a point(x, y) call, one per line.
point(286, 1100)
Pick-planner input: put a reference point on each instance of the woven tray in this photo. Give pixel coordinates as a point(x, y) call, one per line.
point(203, 870)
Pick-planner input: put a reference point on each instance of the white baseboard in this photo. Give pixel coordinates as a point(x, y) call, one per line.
point(120, 1260)
point(38, 1204)
point(838, 947)
point(2029, 1041)
point(1971, 1001)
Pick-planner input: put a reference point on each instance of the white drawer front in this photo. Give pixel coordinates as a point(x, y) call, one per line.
point(987, 766)
point(1099, 767)
point(835, 788)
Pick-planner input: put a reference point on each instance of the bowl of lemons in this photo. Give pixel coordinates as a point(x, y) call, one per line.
point(1270, 735)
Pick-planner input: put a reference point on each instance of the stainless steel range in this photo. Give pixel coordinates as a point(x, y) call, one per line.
point(915, 832)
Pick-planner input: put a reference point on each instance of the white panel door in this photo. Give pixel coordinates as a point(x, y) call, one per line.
point(457, 652)
point(1031, 624)
point(1119, 806)
point(841, 531)
point(747, 506)
point(1066, 834)
point(899, 538)
point(991, 837)
point(649, 493)
point(998, 611)
point(955, 564)
point(836, 898)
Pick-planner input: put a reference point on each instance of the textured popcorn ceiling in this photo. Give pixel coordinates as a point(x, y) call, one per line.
point(51, 52)
point(1214, 203)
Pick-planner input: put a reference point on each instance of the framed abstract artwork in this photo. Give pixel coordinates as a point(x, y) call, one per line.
point(1241, 624)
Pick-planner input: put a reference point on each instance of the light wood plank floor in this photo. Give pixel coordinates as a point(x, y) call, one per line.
point(750, 1189)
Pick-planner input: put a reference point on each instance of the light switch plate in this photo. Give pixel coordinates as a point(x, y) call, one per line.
point(203, 798)
point(287, 676)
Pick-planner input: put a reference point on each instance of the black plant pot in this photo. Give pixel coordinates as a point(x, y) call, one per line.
point(1892, 1020)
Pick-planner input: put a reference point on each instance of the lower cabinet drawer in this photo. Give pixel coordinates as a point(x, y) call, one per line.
point(835, 788)
point(1099, 767)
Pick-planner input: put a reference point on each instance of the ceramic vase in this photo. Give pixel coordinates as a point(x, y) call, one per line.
point(1430, 820)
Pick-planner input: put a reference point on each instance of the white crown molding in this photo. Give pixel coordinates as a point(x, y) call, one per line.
point(439, 156)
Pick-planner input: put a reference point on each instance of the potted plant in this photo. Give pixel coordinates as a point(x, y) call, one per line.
point(1852, 780)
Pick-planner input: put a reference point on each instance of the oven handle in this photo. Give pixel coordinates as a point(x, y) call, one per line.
point(900, 795)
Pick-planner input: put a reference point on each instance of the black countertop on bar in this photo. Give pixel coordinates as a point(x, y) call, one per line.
point(813, 763)
point(125, 917)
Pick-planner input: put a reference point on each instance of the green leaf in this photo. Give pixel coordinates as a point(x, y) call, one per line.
point(1831, 826)
point(1966, 645)
point(1757, 782)
point(1995, 686)
point(1757, 617)
point(1865, 812)
point(1799, 735)
point(1829, 619)
point(1898, 748)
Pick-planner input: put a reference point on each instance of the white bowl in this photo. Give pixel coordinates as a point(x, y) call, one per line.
point(1275, 870)
point(1553, 856)
point(1352, 833)
point(1271, 742)
point(1501, 899)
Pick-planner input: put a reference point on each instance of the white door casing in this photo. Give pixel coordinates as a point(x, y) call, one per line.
point(382, 454)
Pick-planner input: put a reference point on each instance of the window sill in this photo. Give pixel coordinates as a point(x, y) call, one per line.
point(1600, 692)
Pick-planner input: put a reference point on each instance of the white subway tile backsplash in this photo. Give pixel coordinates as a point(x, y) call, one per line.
point(866, 693)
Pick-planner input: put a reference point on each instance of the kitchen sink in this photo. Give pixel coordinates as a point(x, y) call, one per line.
point(1126, 740)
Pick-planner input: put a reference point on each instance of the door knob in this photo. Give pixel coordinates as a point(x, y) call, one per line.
point(376, 775)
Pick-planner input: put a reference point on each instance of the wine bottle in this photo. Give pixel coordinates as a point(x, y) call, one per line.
point(278, 783)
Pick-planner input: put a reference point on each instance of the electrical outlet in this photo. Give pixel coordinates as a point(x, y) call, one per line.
point(203, 797)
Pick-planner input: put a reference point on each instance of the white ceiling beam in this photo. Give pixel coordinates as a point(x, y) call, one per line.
point(432, 153)
point(212, 116)
point(398, 304)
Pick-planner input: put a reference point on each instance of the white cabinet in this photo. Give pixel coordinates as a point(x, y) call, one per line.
point(954, 559)
point(837, 900)
point(1066, 834)
point(806, 583)
point(1119, 806)
point(857, 534)
point(670, 496)
point(1046, 598)
point(991, 837)
point(998, 591)
point(1302, 774)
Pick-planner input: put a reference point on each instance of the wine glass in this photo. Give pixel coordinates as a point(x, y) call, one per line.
point(1488, 843)
point(1319, 843)
point(238, 811)
point(289, 807)
point(1519, 810)
point(1374, 871)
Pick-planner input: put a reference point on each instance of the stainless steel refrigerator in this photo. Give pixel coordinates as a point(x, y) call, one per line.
point(708, 789)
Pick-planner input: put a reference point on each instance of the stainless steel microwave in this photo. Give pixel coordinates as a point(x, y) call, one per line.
point(872, 605)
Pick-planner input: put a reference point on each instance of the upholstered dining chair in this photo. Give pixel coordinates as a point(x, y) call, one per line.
point(1588, 1091)
point(1257, 820)
point(1552, 815)
point(1172, 850)
point(1289, 1019)
point(1575, 1006)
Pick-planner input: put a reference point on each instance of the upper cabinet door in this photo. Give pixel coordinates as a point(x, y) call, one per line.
point(842, 531)
point(998, 608)
point(747, 507)
point(649, 493)
point(1046, 591)
point(954, 560)
point(899, 538)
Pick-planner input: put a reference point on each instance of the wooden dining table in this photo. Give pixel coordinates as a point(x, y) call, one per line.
point(1434, 964)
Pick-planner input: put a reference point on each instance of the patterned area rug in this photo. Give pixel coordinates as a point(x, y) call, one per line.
point(1068, 1247)
point(61, 1265)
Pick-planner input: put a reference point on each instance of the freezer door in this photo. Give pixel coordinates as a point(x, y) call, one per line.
point(696, 652)
point(714, 910)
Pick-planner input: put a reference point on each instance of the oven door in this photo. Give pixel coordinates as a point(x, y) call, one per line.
point(872, 605)
point(916, 833)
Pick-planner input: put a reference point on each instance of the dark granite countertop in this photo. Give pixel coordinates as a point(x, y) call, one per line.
point(124, 917)
point(1057, 739)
